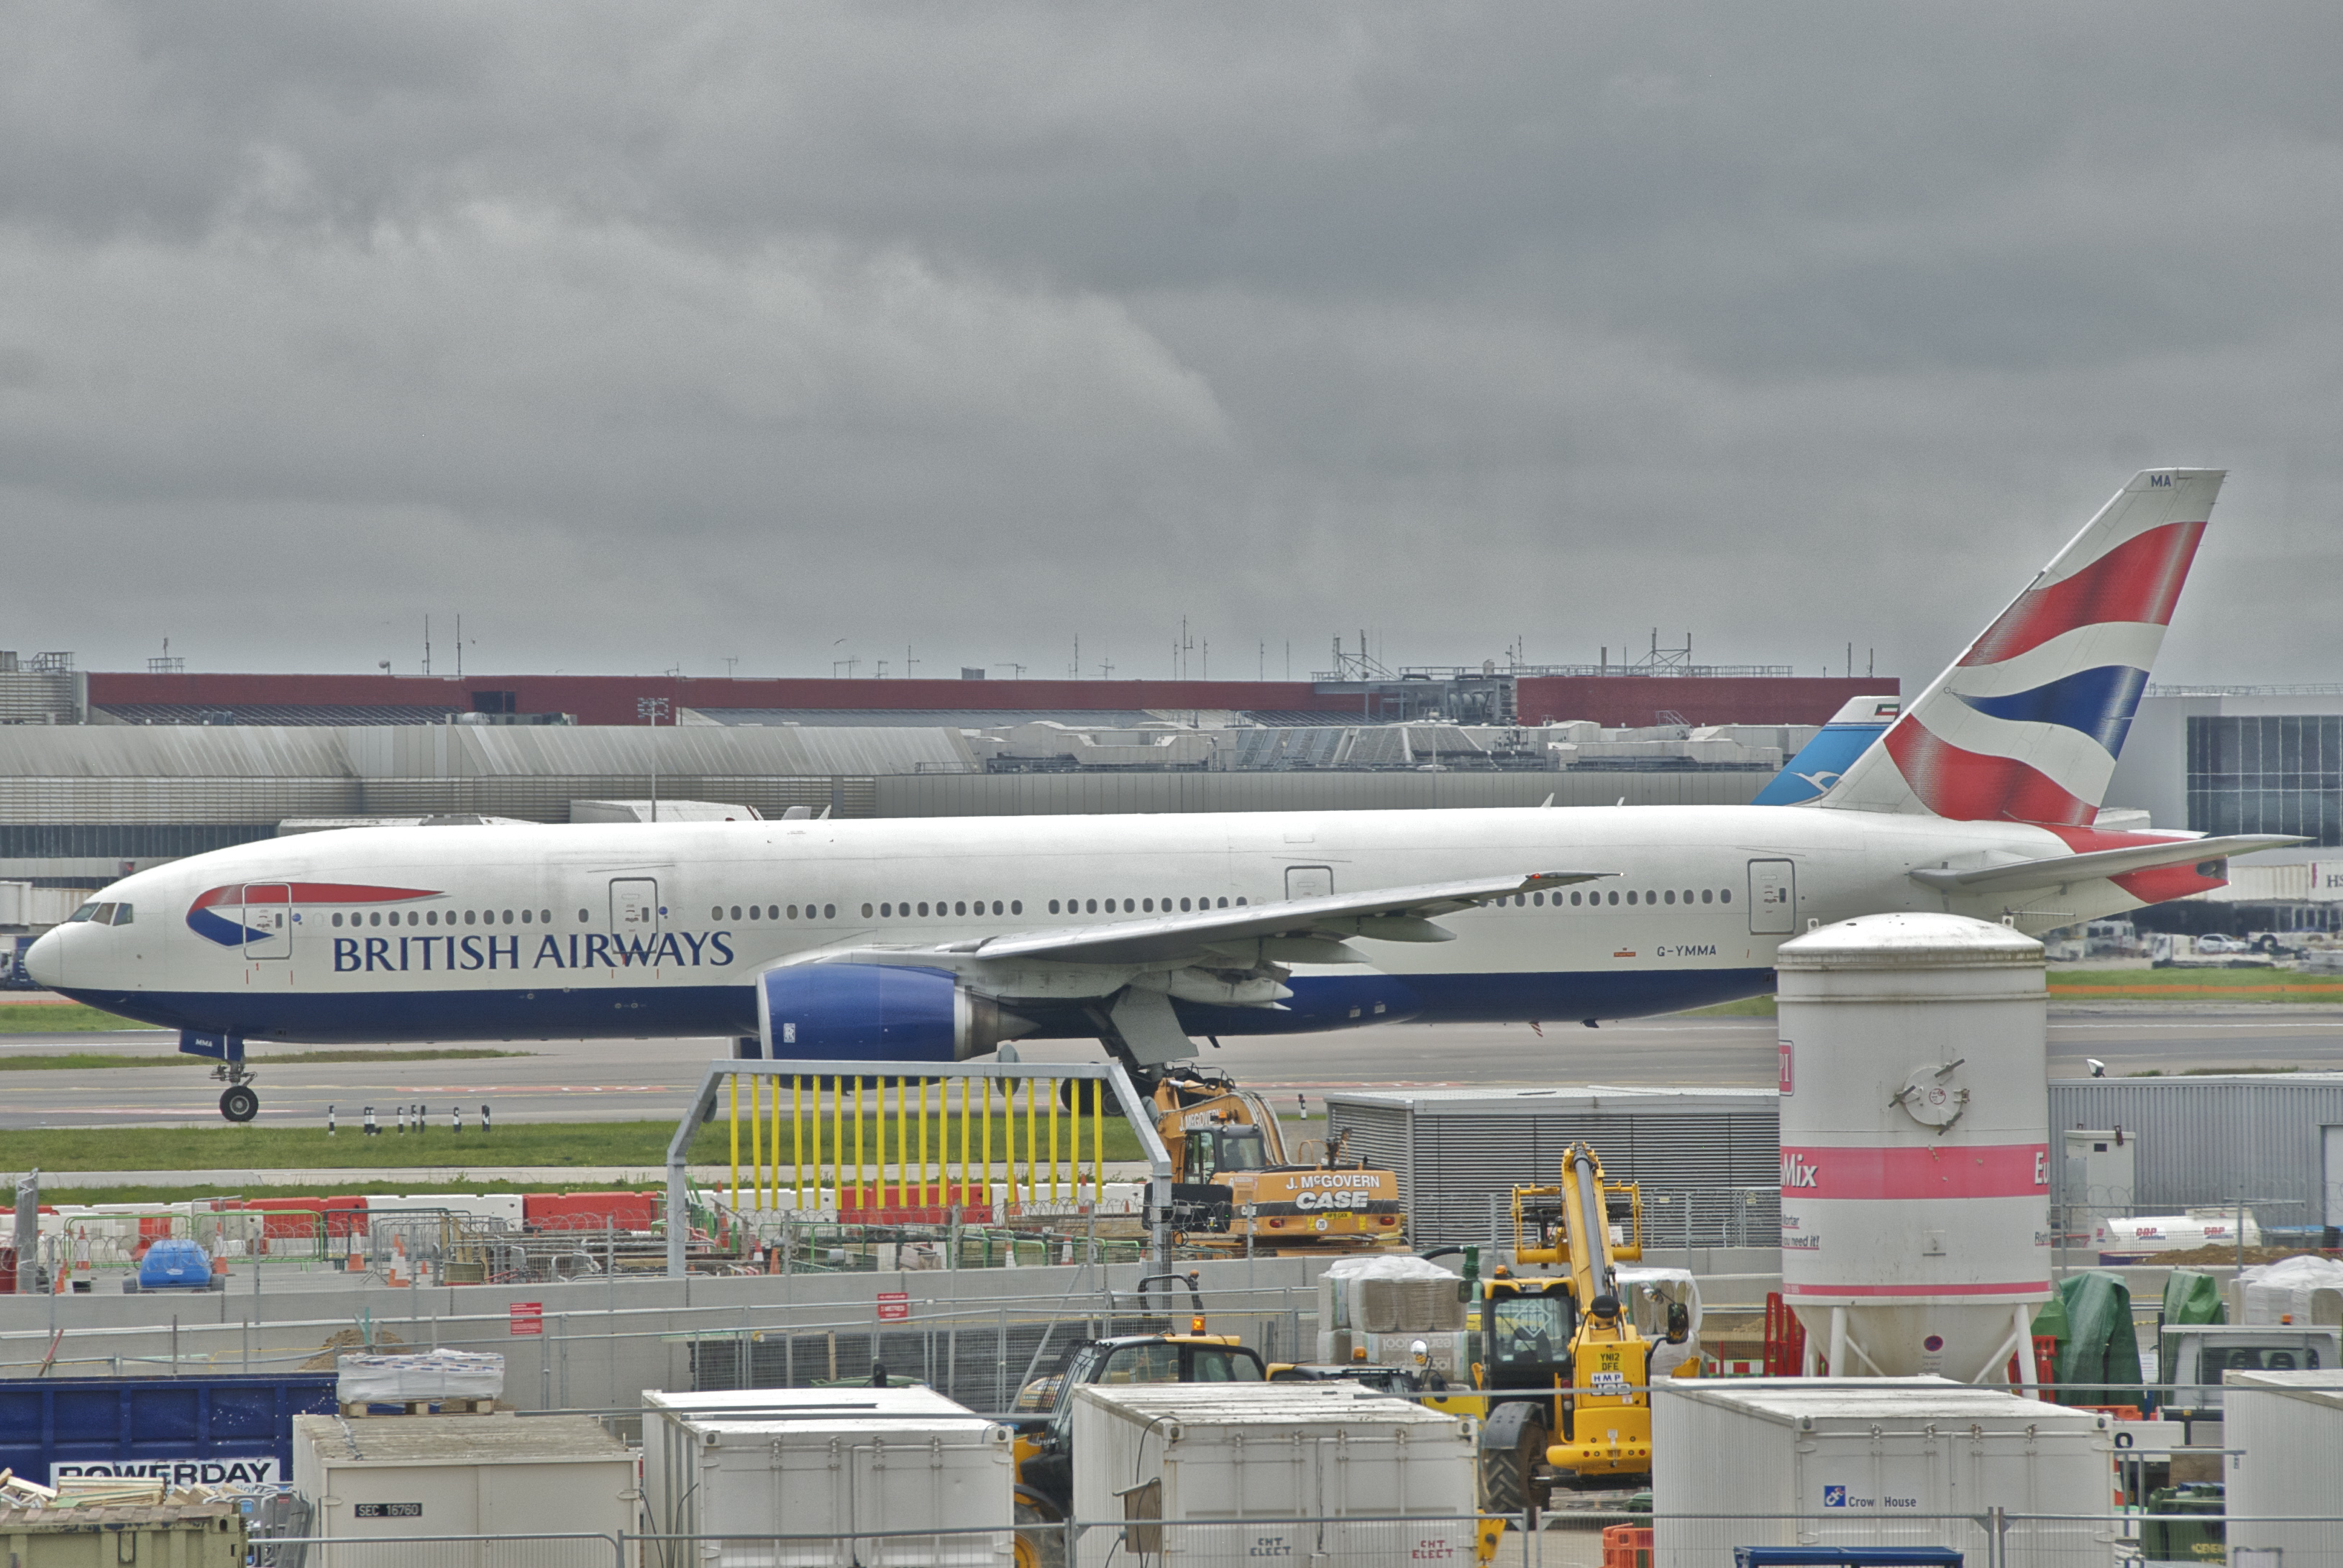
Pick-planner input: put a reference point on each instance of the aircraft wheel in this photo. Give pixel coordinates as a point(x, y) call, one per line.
point(239, 1103)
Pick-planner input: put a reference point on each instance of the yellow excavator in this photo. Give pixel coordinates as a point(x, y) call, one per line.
point(1561, 1387)
point(1231, 1180)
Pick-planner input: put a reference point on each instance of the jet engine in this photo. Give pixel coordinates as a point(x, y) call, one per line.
point(877, 1012)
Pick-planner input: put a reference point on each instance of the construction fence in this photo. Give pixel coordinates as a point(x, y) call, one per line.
point(1994, 1538)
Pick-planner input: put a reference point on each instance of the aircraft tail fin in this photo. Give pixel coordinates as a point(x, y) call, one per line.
point(2027, 724)
point(1821, 761)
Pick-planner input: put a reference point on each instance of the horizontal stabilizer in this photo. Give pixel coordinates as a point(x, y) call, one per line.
point(2062, 869)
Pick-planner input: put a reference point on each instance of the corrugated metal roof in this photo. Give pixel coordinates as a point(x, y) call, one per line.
point(307, 715)
point(1618, 1099)
point(903, 718)
point(171, 751)
point(2206, 1140)
point(455, 751)
point(1708, 1159)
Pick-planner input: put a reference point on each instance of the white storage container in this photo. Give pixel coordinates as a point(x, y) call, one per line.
point(1848, 1456)
point(1160, 1455)
point(852, 1469)
point(2283, 1430)
point(388, 1478)
point(423, 1375)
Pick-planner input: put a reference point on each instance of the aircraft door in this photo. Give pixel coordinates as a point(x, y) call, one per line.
point(267, 920)
point(635, 905)
point(1309, 882)
point(1772, 898)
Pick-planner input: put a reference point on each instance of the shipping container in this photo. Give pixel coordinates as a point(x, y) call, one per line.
point(2284, 1430)
point(838, 1466)
point(1386, 1480)
point(388, 1478)
point(182, 1429)
point(1848, 1456)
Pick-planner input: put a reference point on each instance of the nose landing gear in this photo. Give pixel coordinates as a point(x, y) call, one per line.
point(238, 1103)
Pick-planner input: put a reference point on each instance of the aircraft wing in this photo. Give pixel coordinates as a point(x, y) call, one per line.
point(2061, 869)
point(1387, 914)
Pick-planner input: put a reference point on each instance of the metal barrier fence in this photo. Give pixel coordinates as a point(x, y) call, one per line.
point(592, 1349)
point(484, 1551)
point(942, 1159)
point(1688, 1217)
point(1994, 1538)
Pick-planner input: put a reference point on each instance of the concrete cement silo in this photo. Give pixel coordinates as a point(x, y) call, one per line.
point(1915, 1155)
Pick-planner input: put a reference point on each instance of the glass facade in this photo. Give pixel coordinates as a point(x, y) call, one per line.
point(2271, 774)
point(123, 841)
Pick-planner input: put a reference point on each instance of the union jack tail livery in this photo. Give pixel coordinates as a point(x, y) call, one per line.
point(2027, 724)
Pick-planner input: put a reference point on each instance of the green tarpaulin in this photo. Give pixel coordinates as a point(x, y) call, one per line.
point(2098, 1352)
point(2192, 1297)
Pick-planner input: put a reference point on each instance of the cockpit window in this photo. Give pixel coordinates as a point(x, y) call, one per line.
point(122, 914)
point(86, 912)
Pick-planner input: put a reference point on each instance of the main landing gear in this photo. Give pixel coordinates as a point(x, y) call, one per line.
point(239, 1103)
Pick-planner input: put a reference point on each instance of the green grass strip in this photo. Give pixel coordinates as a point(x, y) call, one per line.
point(543, 1143)
point(63, 1018)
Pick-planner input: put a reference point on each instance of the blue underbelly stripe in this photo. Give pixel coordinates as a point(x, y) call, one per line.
point(1319, 1002)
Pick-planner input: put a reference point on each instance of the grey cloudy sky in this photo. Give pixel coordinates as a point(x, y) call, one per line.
point(652, 336)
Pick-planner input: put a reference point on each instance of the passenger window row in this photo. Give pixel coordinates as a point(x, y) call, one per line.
point(773, 911)
point(1703, 895)
point(1137, 906)
point(436, 917)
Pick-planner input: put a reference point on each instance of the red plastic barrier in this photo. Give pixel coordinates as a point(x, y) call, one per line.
point(340, 1216)
point(588, 1210)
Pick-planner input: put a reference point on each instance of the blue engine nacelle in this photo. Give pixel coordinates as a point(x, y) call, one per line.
point(877, 1012)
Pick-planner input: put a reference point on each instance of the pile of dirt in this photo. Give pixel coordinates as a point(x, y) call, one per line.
point(2202, 1257)
point(328, 1358)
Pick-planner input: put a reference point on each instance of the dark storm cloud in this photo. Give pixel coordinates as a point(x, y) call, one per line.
point(649, 335)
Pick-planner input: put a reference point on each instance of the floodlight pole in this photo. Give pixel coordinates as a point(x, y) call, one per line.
point(1136, 1111)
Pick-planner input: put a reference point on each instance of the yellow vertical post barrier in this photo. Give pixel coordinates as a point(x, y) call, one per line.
point(1032, 1145)
point(837, 1142)
point(858, 1166)
point(736, 1140)
point(796, 1139)
point(882, 1142)
point(756, 1142)
point(777, 1144)
point(986, 1123)
point(927, 1187)
point(1098, 1141)
point(965, 1085)
point(1054, 1139)
point(903, 1143)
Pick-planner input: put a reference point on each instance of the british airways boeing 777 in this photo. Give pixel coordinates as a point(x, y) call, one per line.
point(935, 940)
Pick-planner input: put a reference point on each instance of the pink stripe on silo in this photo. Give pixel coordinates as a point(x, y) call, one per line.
point(2012, 1287)
point(1902, 1174)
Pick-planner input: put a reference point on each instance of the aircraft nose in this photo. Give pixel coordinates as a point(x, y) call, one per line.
point(44, 961)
